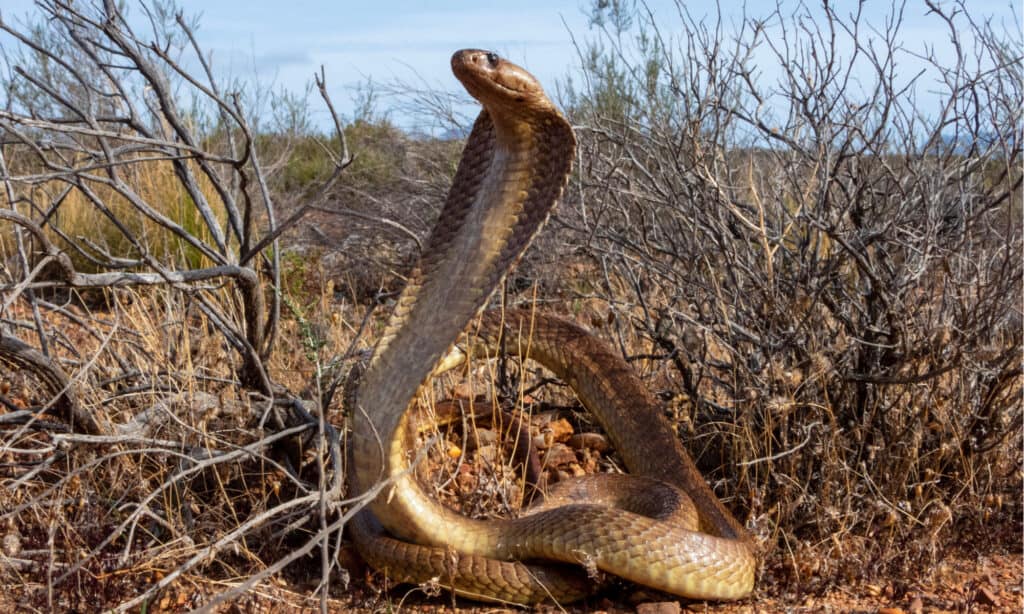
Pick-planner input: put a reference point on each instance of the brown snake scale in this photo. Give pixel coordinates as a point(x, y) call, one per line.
point(666, 530)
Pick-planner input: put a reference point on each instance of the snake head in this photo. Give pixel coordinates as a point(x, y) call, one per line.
point(500, 85)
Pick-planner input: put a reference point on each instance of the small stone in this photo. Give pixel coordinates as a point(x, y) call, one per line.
point(890, 611)
point(487, 453)
point(916, 606)
point(11, 544)
point(985, 596)
point(466, 478)
point(659, 607)
point(559, 454)
point(591, 441)
point(560, 430)
point(482, 437)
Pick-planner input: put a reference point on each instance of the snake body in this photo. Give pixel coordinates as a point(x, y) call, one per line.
point(514, 167)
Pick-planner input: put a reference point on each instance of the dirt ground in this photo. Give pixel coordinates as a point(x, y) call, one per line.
point(963, 583)
point(982, 572)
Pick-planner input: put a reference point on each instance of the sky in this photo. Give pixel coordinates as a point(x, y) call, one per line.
point(285, 41)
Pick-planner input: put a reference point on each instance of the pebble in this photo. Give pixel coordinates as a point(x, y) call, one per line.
point(986, 597)
point(659, 607)
point(560, 430)
point(487, 453)
point(559, 454)
point(482, 437)
point(916, 606)
point(590, 441)
point(11, 544)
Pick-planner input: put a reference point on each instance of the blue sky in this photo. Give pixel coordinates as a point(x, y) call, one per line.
point(285, 41)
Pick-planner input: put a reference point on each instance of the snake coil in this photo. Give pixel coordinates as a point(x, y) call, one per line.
point(666, 530)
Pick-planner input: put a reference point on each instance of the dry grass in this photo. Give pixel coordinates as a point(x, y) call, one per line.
point(98, 522)
point(122, 517)
point(91, 220)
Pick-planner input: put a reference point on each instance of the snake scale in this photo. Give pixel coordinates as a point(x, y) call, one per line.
point(666, 530)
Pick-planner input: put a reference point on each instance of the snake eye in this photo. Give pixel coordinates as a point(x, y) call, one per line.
point(492, 58)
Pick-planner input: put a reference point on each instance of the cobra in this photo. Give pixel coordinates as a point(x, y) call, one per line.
point(662, 527)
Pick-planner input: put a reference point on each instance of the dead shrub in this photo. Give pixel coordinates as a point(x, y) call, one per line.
point(831, 267)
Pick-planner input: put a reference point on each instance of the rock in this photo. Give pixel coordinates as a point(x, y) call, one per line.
point(985, 596)
point(916, 606)
point(488, 453)
point(480, 437)
point(559, 454)
point(560, 430)
point(11, 544)
point(890, 611)
point(466, 478)
point(591, 441)
point(659, 607)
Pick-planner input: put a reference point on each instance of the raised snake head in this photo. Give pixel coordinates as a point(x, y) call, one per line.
point(505, 89)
